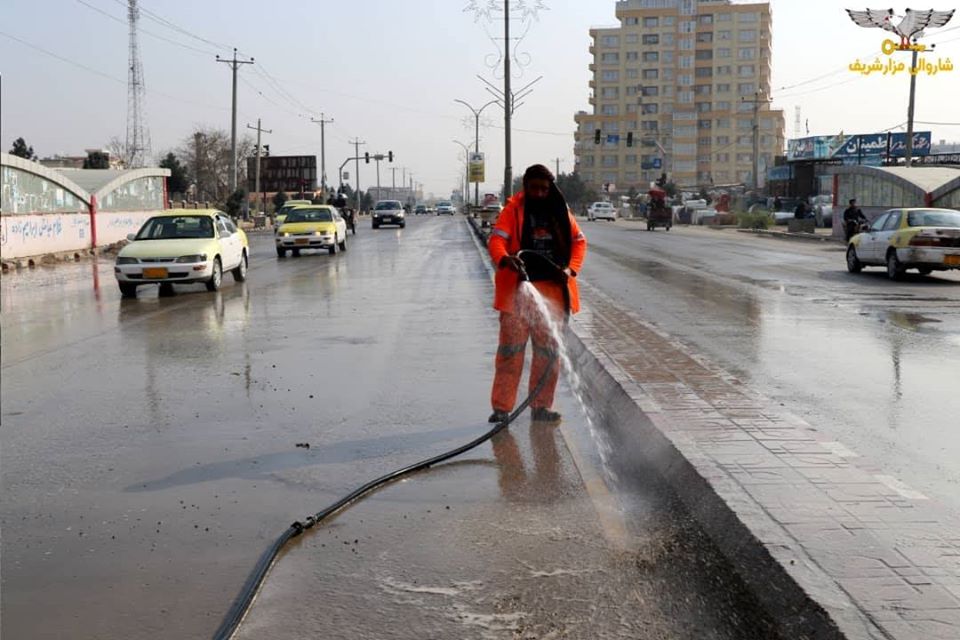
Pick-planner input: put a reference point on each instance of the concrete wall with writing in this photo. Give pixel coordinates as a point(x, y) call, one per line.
point(37, 234)
point(113, 226)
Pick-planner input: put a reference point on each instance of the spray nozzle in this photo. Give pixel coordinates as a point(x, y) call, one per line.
point(524, 276)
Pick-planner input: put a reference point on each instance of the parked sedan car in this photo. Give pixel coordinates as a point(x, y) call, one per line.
point(388, 212)
point(445, 208)
point(183, 247)
point(924, 239)
point(601, 211)
point(420, 209)
point(312, 227)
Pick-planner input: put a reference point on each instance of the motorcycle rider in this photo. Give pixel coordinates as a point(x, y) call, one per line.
point(852, 219)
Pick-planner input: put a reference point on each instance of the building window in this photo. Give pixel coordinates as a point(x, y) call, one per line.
point(651, 56)
point(631, 108)
point(744, 125)
point(668, 39)
point(686, 44)
point(610, 41)
point(723, 123)
point(722, 157)
point(632, 56)
point(706, 18)
point(686, 62)
point(684, 131)
point(723, 52)
point(651, 90)
point(611, 76)
point(703, 89)
point(610, 110)
point(633, 74)
point(704, 72)
point(744, 107)
point(611, 126)
point(669, 21)
point(724, 35)
point(705, 36)
point(666, 57)
point(688, 26)
point(631, 21)
point(630, 159)
point(651, 74)
point(587, 161)
point(748, 17)
point(684, 148)
point(668, 74)
point(609, 161)
point(721, 105)
point(668, 91)
point(724, 70)
point(685, 80)
point(745, 88)
point(631, 90)
point(651, 38)
point(746, 53)
point(648, 109)
point(746, 70)
point(685, 166)
point(723, 87)
point(744, 139)
point(703, 107)
point(766, 124)
point(631, 38)
point(704, 54)
point(649, 125)
point(610, 57)
point(722, 140)
point(685, 97)
point(747, 35)
point(704, 124)
point(743, 158)
point(651, 22)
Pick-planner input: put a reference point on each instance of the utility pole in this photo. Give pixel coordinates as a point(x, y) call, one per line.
point(908, 153)
point(259, 130)
point(323, 151)
point(557, 174)
point(508, 104)
point(234, 65)
point(356, 142)
point(757, 100)
point(197, 141)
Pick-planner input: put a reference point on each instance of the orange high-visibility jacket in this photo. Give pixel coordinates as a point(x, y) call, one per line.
point(505, 240)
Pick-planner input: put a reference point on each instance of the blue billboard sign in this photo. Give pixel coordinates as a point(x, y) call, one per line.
point(858, 147)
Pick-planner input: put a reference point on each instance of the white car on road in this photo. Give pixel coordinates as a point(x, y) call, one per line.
point(601, 211)
point(445, 208)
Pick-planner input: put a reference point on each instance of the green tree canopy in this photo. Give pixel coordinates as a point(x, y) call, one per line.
point(178, 182)
point(21, 150)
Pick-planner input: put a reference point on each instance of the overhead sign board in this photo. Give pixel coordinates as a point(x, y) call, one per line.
point(477, 167)
point(283, 173)
point(858, 146)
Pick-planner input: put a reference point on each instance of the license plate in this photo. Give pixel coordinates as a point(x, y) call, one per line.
point(155, 272)
point(953, 261)
point(303, 241)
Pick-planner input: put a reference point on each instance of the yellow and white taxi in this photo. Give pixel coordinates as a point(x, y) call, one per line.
point(924, 239)
point(314, 226)
point(287, 207)
point(181, 247)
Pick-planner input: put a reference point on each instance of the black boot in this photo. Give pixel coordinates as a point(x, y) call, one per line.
point(498, 416)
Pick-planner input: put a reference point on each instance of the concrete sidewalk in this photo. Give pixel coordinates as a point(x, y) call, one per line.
point(832, 548)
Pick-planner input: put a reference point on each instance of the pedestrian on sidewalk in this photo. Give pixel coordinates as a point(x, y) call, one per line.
point(538, 220)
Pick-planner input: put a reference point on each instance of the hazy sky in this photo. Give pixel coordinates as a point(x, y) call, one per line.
point(388, 72)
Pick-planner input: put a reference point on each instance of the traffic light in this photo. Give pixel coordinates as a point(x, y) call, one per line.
point(266, 150)
point(390, 156)
point(366, 157)
point(596, 136)
point(630, 138)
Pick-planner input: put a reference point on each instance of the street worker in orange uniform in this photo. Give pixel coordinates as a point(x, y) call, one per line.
point(534, 221)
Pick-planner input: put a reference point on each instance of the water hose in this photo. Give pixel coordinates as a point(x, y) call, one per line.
point(241, 605)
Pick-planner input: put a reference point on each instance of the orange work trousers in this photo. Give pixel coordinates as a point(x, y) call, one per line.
point(515, 328)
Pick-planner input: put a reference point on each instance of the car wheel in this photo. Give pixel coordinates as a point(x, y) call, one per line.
point(853, 262)
point(403, 226)
point(332, 249)
point(650, 226)
point(295, 253)
point(668, 227)
point(376, 226)
point(128, 290)
point(924, 271)
point(281, 252)
point(343, 244)
point(213, 284)
point(895, 268)
point(240, 272)
point(166, 289)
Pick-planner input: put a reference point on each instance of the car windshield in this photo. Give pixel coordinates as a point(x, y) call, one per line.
point(444, 204)
point(387, 205)
point(933, 218)
point(176, 228)
point(309, 215)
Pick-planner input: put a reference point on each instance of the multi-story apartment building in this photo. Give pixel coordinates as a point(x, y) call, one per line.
point(678, 87)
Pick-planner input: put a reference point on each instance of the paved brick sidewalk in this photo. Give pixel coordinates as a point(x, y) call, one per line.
point(871, 557)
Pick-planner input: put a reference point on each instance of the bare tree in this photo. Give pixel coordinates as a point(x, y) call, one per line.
point(118, 150)
point(206, 152)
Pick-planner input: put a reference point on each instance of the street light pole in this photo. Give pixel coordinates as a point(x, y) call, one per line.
point(508, 104)
point(476, 139)
point(323, 151)
point(466, 184)
point(259, 130)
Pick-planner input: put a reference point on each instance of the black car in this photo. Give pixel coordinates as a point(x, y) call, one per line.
point(389, 212)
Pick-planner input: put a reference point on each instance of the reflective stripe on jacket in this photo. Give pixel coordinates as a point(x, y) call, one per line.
point(505, 240)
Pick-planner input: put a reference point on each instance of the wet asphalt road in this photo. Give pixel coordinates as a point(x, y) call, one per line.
point(150, 455)
point(873, 363)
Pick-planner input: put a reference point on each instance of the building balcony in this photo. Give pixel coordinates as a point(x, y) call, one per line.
point(592, 84)
point(592, 67)
point(593, 49)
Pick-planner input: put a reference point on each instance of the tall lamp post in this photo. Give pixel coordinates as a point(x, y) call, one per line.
point(476, 142)
point(466, 183)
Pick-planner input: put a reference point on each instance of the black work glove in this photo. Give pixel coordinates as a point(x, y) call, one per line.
point(511, 262)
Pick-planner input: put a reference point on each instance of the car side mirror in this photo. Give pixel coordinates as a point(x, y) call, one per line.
point(131, 237)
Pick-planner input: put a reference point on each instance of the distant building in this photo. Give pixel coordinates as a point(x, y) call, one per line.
point(677, 79)
point(76, 162)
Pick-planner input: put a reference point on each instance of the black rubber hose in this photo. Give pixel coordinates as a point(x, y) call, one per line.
point(241, 605)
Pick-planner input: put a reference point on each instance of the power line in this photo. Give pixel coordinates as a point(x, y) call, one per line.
point(170, 25)
point(142, 30)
